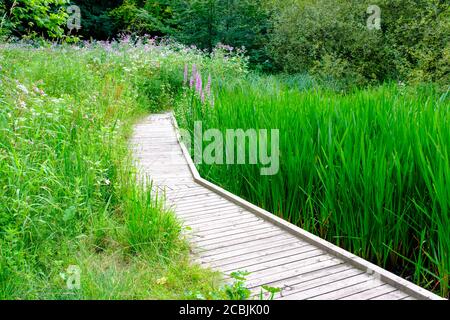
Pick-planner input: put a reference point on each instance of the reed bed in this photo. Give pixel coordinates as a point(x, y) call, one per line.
point(367, 170)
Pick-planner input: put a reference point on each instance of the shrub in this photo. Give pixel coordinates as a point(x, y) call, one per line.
point(331, 39)
point(31, 18)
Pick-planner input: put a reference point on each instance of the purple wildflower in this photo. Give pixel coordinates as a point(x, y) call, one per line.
point(194, 70)
point(198, 83)
point(191, 82)
point(208, 86)
point(203, 96)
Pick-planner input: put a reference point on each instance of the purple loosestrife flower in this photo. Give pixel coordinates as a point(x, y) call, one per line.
point(194, 70)
point(203, 97)
point(208, 86)
point(191, 82)
point(198, 83)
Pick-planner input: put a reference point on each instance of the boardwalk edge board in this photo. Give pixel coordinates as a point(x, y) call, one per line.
point(382, 274)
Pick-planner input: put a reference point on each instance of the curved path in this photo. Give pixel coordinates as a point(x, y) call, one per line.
point(229, 234)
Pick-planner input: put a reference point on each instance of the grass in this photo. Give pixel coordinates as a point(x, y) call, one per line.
point(68, 193)
point(367, 170)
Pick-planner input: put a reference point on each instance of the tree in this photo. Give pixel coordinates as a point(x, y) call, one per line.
point(29, 18)
point(96, 21)
point(238, 23)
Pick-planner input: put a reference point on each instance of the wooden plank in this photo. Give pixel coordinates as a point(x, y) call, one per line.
point(321, 290)
point(209, 204)
point(394, 295)
point(242, 240)
point(297, 282)
point(188, 198)
point(408, 298)
point(355, 289)
point(259, 272)
point(204, 208)
point(371, 293)
point(211, 225)
point(264, 254)
point(243, 234)
point(317, 279)
point(235, 231)
point(253, 221)
point(251, 249)
point(269, 262)
point(210, 213)
point(293, 284)
point(216, 218)
point(228, 224)
point(289, 271)
point(235, 248)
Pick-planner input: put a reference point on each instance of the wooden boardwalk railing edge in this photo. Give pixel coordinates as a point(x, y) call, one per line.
point(384, 275)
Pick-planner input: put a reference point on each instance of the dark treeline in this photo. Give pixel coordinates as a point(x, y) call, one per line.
point(334, 39)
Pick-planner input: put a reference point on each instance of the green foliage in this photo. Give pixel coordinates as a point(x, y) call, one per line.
point(367, 170)
point(32, 18)
point(238, 290)
point(151, 17)
point(203, 23)
point(69, 193)
point(331, 39)
point(96, 20)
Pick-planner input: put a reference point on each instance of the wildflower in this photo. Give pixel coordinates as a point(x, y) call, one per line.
point(22, 104)
point(191, 82)
point(208, 86)
point(203, 96)
point(194, 70)
point(198, 83)
point(22, 88)
point(38, 91)
point(107, 182)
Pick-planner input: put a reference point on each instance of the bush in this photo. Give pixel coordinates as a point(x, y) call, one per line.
point(332, 40)
point(30, 18)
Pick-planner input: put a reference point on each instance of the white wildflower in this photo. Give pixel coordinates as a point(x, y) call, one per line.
point(22, 88)
point(22, 104)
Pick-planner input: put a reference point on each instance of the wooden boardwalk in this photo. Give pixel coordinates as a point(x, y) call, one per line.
point(230, 234)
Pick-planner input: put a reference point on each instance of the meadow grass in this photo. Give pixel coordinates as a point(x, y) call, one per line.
point(367, 170)
point(68, 191)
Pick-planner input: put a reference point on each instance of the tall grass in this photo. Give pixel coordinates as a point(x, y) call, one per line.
point(368, 170)
point(68, 193)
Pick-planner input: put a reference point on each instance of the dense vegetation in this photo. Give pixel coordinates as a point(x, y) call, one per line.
point(327, 38)
point(368, 171)
point(363, 116)
point(68, 195)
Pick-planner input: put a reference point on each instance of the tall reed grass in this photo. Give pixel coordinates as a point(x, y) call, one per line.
point(368, 170)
